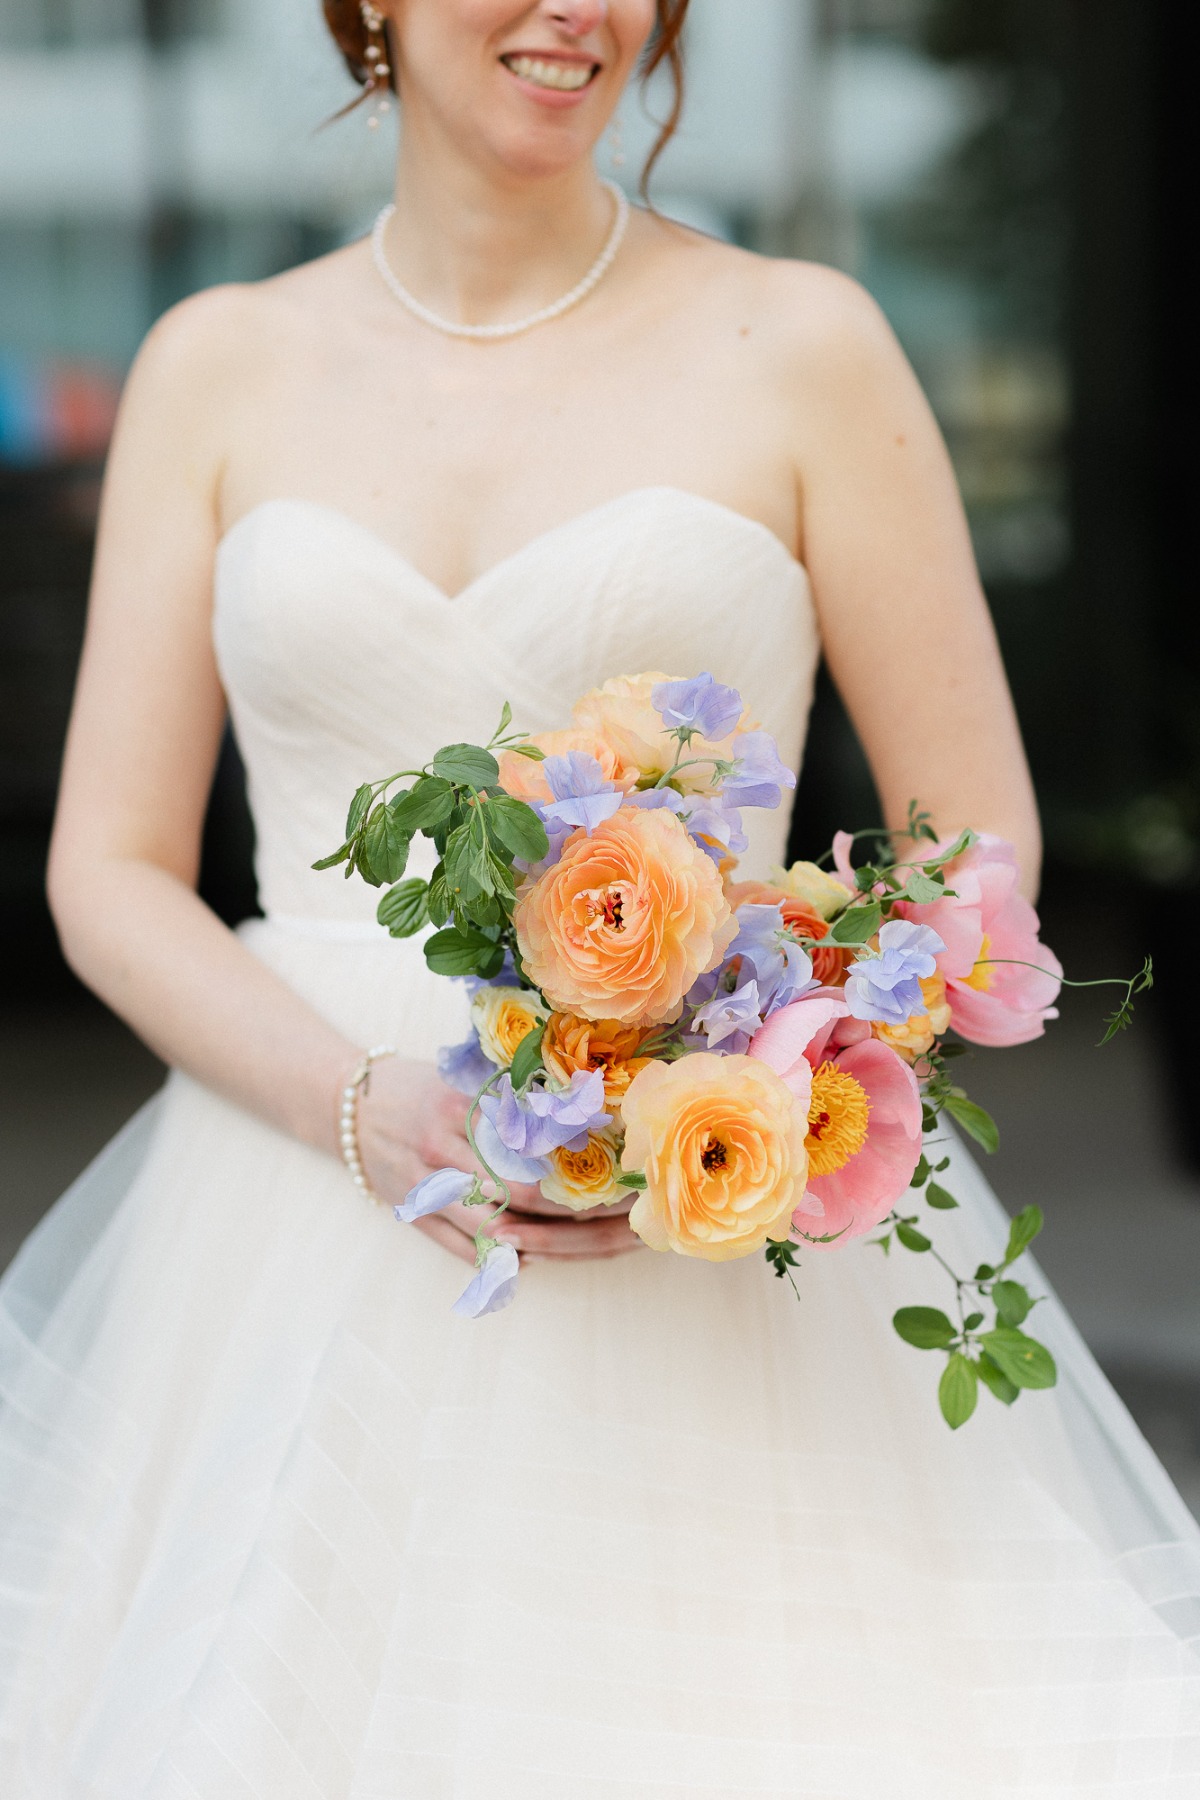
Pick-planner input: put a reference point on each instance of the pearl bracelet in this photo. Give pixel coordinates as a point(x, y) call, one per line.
point(351, 1155)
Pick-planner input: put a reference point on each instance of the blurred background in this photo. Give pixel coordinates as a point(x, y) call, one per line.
point(1008, 179)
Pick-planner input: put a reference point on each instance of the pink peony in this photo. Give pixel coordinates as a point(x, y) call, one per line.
point(991, 933)
point(864, 1114)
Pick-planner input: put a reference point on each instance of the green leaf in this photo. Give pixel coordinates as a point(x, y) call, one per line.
point(1021, 1233)
point(505, 721)
point(438, 901)
point(958, 1390)
point(529, 750)
point(360, 860)
point(358, 809)
point(972, 1321)
point(404, 909)
point(924, 1327)
point(425, 806)
point(920, 1173)
point(1026, 1363)
point(858, 924)
point(911, 1238)
point(975, 1122)
point(961, 843)
point(528, 1059)
point(984, 1272)
point(466, 765)
point(923, 889)
point(331, 862)
point(994, 1378)
point(939, 1198)
point(518, 828)
point(1013, 1302)
point(462, 952)
point(386, 844)
point(635, 1181)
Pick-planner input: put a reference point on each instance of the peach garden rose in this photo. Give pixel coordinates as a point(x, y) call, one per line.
point(622, 713)
point(720, 1142)
point(622, 926)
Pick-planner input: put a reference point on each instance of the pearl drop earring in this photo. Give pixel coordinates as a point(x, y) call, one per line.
point(379, 68)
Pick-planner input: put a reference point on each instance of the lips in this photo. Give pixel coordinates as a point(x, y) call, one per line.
point(550, 73)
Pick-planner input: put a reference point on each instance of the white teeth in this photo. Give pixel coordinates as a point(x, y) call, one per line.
point(567, 77)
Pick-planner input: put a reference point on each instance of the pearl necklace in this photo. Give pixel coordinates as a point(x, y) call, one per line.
point(592, 279)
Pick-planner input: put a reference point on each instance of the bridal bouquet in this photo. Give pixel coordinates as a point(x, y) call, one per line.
point(763, 1065)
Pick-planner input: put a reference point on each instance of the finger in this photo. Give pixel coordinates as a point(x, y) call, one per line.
point(575, 1237)
point(448, 1237)
point(542, 1208)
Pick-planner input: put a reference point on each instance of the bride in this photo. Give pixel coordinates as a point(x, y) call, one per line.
point(275, 1523)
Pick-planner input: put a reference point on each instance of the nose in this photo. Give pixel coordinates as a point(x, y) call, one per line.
point(578, 17)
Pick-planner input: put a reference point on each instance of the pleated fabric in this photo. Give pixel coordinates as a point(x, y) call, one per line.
point(276, 1525)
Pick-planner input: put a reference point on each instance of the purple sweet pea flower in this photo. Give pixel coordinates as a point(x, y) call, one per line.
point(533, 1124)
point(506, 1163)
point(657, 799)
point(731, 1019)
point(782, 967)
point(464, 1066)
point(758, 777)
point(445, 1187)
point(716, 827)
point(582, 799)
point(700, 705)
point(886, 987)
point(494, 1286)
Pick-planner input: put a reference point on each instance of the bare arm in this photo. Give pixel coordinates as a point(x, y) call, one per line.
point(144, 734)
point(906, 629)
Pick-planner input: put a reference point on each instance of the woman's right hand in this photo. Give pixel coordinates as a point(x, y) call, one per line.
point(410, 1123)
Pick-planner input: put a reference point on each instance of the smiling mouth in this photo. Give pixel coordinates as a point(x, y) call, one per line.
point(564, 78)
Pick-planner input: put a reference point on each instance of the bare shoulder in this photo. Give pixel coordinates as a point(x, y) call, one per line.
point(811, 322)
point(218, 340)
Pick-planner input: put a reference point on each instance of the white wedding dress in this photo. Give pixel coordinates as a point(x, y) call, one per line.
point(276, 1524)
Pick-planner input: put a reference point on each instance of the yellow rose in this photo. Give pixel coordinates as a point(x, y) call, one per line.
point(503, 1016)
point(589, 1177)
point(623, 714)
point(917, 1034)
point(624, 923)
point(526, 779)
point(572, 1044)
point(805, 881)
point(720, 1141)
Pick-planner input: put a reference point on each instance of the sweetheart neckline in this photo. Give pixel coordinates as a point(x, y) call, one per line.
point(589, 515)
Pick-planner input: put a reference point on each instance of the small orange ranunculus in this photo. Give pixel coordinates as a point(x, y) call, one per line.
point(917, 1035)
point(589, 1177)
point(524, 778)
point(625, 922)
point(571, 1044)
point(720, 1140)
point(830, 962)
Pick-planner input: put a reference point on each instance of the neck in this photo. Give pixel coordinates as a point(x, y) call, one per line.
point(479, 250)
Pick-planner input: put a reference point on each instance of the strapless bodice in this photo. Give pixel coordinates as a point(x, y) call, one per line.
point(342, 662)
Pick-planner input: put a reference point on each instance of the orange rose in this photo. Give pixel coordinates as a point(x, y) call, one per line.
point(504, 1017)
point(526, 779)
point(720, 1141)
point(623, 714)
point(621, 927)
point(571, 1044)
point(829, 962)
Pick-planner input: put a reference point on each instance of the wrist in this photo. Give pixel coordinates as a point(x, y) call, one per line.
point(353, 1090)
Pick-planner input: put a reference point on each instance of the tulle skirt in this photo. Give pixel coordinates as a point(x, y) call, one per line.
point(275, 1523)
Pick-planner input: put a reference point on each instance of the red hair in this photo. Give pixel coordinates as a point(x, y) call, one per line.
point(665, 49)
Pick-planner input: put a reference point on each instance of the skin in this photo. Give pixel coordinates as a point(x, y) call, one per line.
point(775, 388)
